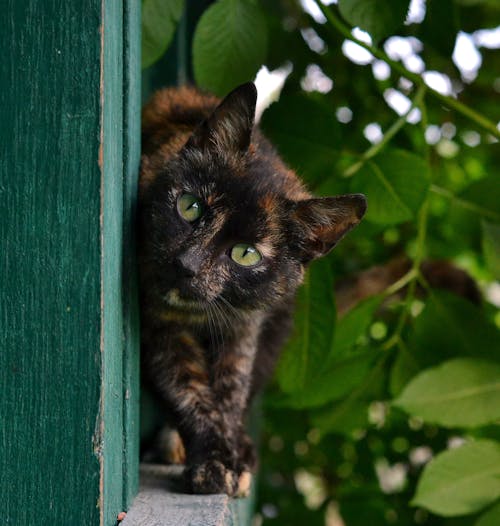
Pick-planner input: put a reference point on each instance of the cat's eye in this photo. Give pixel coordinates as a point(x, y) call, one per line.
point(189, 207)
point(245, 255)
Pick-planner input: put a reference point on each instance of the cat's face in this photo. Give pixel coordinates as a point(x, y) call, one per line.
point(220, 235)
point(224, 225)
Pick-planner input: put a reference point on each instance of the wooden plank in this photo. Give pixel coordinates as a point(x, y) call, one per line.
point(112, 423)
point(63, 435)
point(131, 158)
point(50, 372)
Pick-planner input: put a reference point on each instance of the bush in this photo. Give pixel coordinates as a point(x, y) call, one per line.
point(365, 408)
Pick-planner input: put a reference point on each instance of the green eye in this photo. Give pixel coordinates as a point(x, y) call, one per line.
point(245, 255)
point(189, 207)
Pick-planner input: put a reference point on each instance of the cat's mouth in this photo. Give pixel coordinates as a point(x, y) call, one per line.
point(174, 299)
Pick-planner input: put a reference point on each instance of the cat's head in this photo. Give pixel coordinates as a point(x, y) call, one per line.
point(227, 222)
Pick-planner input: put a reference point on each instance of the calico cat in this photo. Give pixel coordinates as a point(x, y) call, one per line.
point(226, 232)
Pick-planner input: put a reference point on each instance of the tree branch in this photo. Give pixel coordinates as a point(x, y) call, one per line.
point(459, 107)
point(388, 135)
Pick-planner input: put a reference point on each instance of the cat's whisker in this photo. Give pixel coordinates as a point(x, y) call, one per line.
point(229, 306)
point(206, 310)
point(223, 314)
point(220, 318)
point(234, 310)
point(215, 340)
point(213, 326)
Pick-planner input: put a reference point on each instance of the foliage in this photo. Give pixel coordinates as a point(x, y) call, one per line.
point(159, 21)
point(461, 480)
point(229, 44)
point(364, 407)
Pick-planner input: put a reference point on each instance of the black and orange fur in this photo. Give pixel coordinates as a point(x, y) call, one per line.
point(212, 330)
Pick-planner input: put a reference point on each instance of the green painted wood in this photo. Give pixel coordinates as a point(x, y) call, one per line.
point(131, 158)
point(112, 422)
point(66, 452)
point(50, 262)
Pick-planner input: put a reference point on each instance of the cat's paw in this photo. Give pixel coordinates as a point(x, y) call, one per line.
point(244, 484)
point(173, 447)
point(212, 477)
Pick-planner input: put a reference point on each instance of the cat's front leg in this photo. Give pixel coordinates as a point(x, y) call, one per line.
point(208, 403)
point(231, 386)
point(208, 422)
point(211, 447)
point(225, 455)
point(220, 456)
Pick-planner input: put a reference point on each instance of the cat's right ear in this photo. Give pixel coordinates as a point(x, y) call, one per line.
point(321, 222)
point(229, 128)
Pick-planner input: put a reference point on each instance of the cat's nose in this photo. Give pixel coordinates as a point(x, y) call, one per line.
point(186, 265)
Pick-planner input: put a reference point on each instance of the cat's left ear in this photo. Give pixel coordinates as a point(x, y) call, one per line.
point(229, 128)
point(323, 221)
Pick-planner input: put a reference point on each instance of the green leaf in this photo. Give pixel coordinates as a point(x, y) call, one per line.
point(482, 198)
point(354, 325)
point(306, 133)
point(478, 201)
point(351, 413)
point(309, 372)
point(450, 326)
point(331, 382)
point(462, 480)
point(464, 392)
point(342, 417)
point(395, 183)
point(404, 368)
point(490, 517)
point(380, 18)
point(229, 45)
point(491, 247)
point(314, 325)
point(159, 21)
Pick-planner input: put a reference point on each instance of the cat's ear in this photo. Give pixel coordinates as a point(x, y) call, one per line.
point(323, 221)
point(229, 128)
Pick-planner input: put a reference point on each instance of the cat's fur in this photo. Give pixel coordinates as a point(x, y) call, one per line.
point(212, 330)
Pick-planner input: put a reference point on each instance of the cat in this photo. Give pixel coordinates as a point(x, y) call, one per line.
point(226, 231)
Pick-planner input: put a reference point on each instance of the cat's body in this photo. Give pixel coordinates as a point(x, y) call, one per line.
point(214, 197)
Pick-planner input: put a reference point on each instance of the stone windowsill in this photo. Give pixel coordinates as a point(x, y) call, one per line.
point(160, 503)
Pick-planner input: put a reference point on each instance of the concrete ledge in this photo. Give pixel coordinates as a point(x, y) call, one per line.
point(160, 502)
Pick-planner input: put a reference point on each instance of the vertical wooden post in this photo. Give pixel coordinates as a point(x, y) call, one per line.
point(131, 158)
point(68, 369)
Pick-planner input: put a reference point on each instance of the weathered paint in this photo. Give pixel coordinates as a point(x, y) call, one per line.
point(131, 157)
point(111, 260)
point(65, 450)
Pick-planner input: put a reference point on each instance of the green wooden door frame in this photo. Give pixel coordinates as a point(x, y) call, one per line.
point(70, 146)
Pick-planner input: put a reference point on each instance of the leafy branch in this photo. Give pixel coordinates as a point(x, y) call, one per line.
point(458, 106)
point(414, 273)
point(473, 207)
point(388, 135)
point(421, 236)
